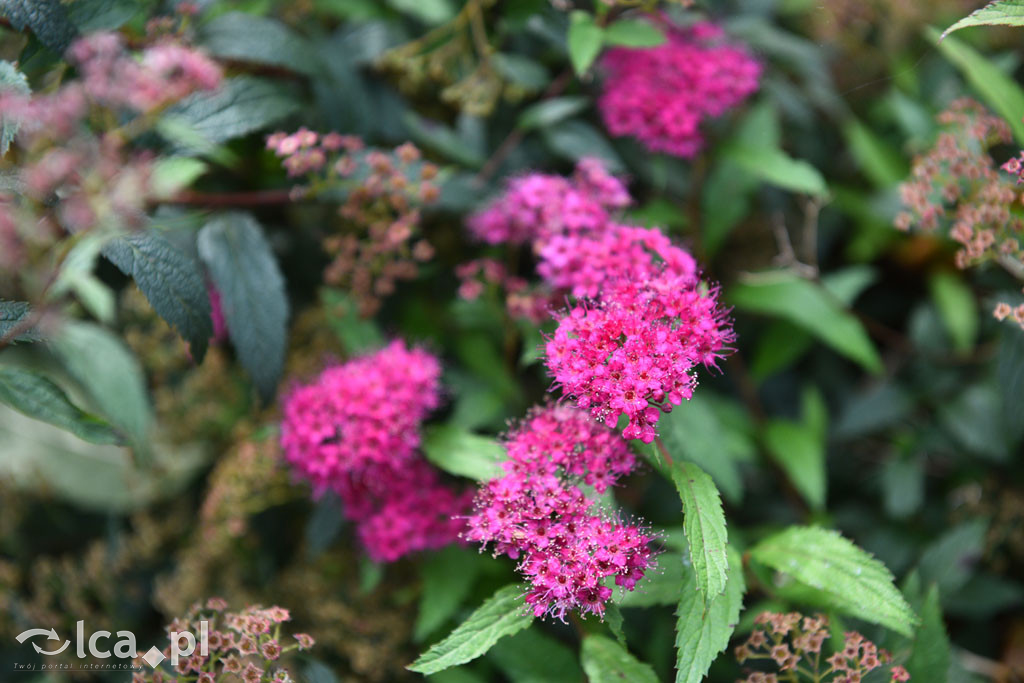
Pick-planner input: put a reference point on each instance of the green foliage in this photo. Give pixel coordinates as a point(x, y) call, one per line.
point(447, 580)
point(11, 80)
point(997, 13)
point(500, 615)
point(704, 523)
point(930, 657)
point(957, 307)
point(47, 19)
point(463, 453)
point(36, 396)
point(775, 167)
point(606, 661)
point(171, 281)
point(249, 38)
point(786, 295)
point(14, 317)
point(242, 105)
point(245, 272)
point(838, 575)
point(531, 656)
point(551, 111)
point(633, 33)
point(799, 449)
point(110, 375)
point(703, 627)
point(584, 39)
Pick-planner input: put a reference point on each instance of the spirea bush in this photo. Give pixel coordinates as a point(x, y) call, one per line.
point(531, 341)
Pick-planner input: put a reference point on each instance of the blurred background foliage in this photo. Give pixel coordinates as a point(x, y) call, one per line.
point(872, 390)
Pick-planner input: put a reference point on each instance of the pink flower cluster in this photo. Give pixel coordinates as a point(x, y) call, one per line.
point(661, 95)
point(538, 514)
point(537, 206)
point(355, 430)
point(633, 352)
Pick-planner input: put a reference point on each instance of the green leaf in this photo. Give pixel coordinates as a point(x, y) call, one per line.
point(696, 432)
point(775, 167)
point(244, 37)
point(172, 282)
point(551, 111)
point(781, 344)
point(36, 396)
point(171, 175)
point(462, 453)
point(11, 80)
point(241, 105)
point(42, 458)
point(614, 620)
point(13, 314)
point(584, 39)
point(430, 12)
point(997, 88)
point(950, 559)
point(441, 138)
point(48, 19)
point(503, 614)
point(531, 656)
point(448, 577)
point(838, 574)
point(105, 15)
point(606, 661)
point(245, 272)
point(576, 139)
point(76, 275)
point(930, 657)
point(998, 13)
point(356, 333)
point(110, 375)
point(703, 628)
point(704, 523)
point(880, 162)
point(784, 294)
point(957, 308)
point(902, 486)
point(633, 33)
point(800, 451)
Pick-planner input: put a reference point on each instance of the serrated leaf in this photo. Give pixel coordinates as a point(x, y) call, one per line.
point(950, 559)
point(11, 80)
point(34, 395)
point(633, 33)
point(171, 281)
point(998, 89)
point(110, 375)
point(239, 107)
point(551, 111)
point(448, 577)
point(800, 452)
point(104, 15)
point(462, 453)
point(503, 614)
point(660, 587)
point(614, 620)
point(703, 628)
point(531, 656)
point(48, 19)
point(842, 575)
point(245, 272)
point(704, 523)
point(998, 13)
point(930, 657)
point(775, 167)
point(13, 315)
point(696, 432)
point(247, 37)
point(606, 661)
point(786, 295)
point(584, 40)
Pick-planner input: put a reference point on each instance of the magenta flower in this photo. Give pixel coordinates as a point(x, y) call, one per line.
point(538, 514)
point(355, 430)
point(661, 95)
point(635, 350)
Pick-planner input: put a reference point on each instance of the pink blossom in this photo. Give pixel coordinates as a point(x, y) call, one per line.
point(661, 95)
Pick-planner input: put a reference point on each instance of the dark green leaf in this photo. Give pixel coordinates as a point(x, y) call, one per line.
point(930, 657)
point(575, 140)
point(503, 614)
point(11, 80)
point(105, 15)
point(242, 105)
point(839, 574)
point(949, 561)
point(261, 40)
point(448, 577)
point(606, 661)
point(531, 656)
point(252, 291)
point(172, 282)
point(800, 452)
point(704, 523)
point(48, 19)
point(659, 587)
point(551, 111)
point(36, 396)
point(633, 33)
point(13, 315)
